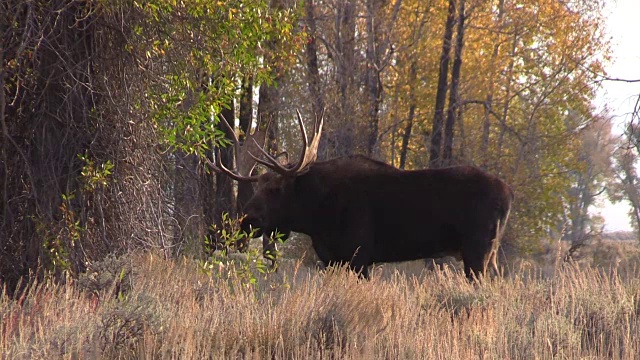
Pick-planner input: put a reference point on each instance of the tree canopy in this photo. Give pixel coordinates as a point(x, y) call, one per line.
point(109, 109)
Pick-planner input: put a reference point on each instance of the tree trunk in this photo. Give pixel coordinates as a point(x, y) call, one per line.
point(373, 84)
point(311, 52)
point(223, 200)
point(313, 73)
point(412, 110)
point(631, 186)
point(188, 210)
point(187, 193)
point(454, 96)
point(245, 188)
point(507, 98)
point(341, 138)
point(463, 144)
point(345, 46)
point(486, 125)
point(268, 106)
point(441, 92)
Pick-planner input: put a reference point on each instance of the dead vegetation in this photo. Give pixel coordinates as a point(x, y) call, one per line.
point(157, 308)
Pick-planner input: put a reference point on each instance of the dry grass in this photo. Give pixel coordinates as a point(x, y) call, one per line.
point(170, 309)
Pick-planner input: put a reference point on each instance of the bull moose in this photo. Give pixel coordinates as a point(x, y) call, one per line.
point(359, 211)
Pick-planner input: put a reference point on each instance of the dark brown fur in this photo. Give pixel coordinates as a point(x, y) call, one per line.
point(360, 211)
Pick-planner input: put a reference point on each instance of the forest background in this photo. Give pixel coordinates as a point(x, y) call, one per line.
point(619, 98)
point(108, 110)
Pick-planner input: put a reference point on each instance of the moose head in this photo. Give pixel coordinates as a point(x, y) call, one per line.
point(274, 201)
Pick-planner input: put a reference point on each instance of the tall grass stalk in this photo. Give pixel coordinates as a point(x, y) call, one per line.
point(171, 309)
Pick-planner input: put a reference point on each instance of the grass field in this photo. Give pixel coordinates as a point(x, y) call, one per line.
point(159, 308)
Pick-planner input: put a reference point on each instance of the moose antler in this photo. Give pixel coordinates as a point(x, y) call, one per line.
point(244, 160)
point(308, 156)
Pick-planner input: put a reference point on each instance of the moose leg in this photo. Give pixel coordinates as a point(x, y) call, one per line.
point(326, 257)
point(479, 251)
point(361, 269)
point(476, 261)
point(473, 266)
point(321, 250)
point(360, 235)
point(360, 261)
